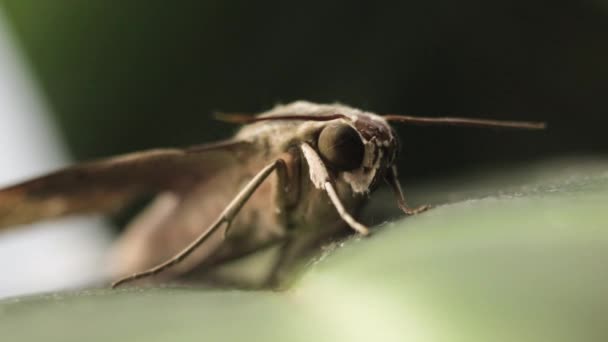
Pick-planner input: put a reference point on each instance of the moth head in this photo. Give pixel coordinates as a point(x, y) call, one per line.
point(359, 149)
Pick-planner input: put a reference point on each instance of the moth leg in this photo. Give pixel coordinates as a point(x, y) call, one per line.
point(335, 200)
point(225, 218)
point(201, 273)
point(392, 180)
point(287, 195)
point(284, 257)
point(292, 257)
point(321, 180)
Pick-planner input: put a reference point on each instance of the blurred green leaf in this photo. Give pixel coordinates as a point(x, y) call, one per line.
point(528, 264)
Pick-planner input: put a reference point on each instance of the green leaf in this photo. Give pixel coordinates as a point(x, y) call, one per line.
point(520, 256)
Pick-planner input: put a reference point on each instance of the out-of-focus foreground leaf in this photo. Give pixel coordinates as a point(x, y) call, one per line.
point(524, 258)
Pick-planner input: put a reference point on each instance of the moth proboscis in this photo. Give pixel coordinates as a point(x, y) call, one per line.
point(292, 176)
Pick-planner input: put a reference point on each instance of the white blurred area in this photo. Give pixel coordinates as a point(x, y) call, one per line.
point(52, 255)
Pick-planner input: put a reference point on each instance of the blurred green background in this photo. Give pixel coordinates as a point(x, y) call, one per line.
point(126, 75)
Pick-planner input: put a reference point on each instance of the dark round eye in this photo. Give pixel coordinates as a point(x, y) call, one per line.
point(341, 146)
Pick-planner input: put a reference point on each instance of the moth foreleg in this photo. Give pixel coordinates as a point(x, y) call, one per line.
point(392, 180)
point(225, 218)
point(320, 178)
point(295, 249)
point(335, 200)
point(274, 278)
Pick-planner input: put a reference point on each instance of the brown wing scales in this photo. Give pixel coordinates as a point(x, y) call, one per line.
point(171, 222)
point(108, 184)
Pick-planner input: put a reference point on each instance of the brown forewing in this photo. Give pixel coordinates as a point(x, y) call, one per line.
point(170, 223)
point(108, 184)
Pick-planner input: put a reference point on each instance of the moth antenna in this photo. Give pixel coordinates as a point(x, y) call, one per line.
point(239, 118)
point(465, 122)
point(236, 118)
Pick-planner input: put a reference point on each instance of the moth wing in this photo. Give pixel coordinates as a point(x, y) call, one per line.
point(109, 184)
point(172, 222)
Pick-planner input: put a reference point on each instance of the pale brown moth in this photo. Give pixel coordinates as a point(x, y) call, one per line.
point(291, 176)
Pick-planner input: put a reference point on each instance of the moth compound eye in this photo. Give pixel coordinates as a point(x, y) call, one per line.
point(341, 146)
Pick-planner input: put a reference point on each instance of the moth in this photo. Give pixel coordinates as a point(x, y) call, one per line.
point(291, 177)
